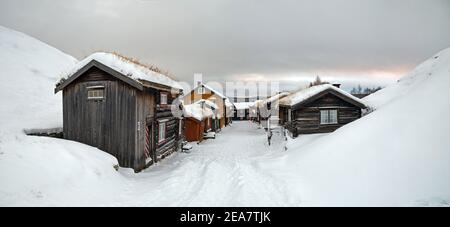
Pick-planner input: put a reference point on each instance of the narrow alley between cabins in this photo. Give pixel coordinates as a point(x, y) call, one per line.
point(227, 171)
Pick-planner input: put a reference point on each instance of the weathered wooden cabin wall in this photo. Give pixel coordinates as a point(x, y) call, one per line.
point(283, 114)
point(306, 118)
point(118, 122)
point(109, 124)
point(145, 109)
point(172, 141)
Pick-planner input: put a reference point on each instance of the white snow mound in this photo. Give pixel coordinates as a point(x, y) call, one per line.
point(29, 70)
point(397, 155)
point(39, 171)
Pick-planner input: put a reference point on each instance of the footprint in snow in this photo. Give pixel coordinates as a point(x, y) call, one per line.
point(97, 172)
point(35, 71)
point(37, 194)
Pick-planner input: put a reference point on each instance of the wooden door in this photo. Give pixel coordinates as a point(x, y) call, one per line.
point(149, 148)
point(95, 118)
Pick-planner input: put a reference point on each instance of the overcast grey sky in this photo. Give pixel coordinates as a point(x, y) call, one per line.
point(349, 41)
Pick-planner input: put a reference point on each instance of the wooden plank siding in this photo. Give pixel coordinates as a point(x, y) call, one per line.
point(146, 102)
point(305, 119)
point(117, 123)
point(194, 129)
point(173, 138)
point(107, 124)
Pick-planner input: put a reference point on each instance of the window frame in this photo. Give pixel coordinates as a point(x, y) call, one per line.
point(336, 116)
point(160, 138)
point(201, 90)
point(161, 95)
point(93, 96)
point(328, 119)
point(289, 117)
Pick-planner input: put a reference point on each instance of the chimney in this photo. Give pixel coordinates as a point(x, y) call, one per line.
point(337, 85)
point(198, 78)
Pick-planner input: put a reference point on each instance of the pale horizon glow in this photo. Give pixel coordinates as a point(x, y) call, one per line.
point(347, 79)
point(367, 42)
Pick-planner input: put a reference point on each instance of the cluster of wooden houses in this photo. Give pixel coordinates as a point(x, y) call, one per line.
point(317, 109)
point(132, 111)
point(206, 111)
point(140, 116)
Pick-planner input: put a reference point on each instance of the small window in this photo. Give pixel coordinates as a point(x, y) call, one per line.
point(162, 132)
point(163, 100)
point(201, 90)
point(289, 115)
point(328, 117)
point(96, 93)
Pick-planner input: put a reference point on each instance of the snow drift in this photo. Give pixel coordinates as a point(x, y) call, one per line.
point(29, 70)
point(37, 170)
point(412, 81)
point(397, 155)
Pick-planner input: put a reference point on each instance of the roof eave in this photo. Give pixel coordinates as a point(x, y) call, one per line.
point(109, 70)
point(320, 94)
point(157, 86)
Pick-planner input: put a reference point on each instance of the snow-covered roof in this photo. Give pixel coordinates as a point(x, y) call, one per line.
point(271, 99)
point(276, 97)
point(208, 103)
point(256, 104)
point(125, 66)
point(243, 105)
point(213, 90)
point(303, 95)
point(228, 103)
point(197, 111)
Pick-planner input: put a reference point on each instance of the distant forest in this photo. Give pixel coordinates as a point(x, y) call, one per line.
point(366, 90)
point(356, 90)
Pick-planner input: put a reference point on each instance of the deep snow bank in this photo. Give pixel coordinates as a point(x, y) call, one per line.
point(36, 170)
point(397, 155)
point(29, 70)
point(412, 80)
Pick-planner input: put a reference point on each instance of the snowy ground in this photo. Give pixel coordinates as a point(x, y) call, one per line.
point(225, 171)
point(216, 172)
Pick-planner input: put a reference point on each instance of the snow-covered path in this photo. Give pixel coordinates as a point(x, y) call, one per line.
point(226, 171)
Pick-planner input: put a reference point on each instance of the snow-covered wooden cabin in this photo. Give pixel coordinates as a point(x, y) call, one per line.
point(242, 110)
point(204, 92)
point(122, 107)
point(268, 108)
point(216, 116)
point(198, 120)
point(319, 109)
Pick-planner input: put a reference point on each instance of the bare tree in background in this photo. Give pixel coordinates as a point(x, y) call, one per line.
point(317, 81)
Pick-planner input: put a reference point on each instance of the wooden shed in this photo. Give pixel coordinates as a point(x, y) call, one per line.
point(214, 122)
point(319, 109)
point(122, 107)
point(198, 121)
